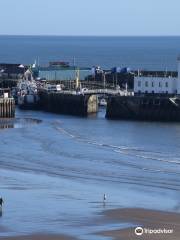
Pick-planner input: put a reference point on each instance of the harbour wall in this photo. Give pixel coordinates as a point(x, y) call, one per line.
point(146, 108)
point(80, 105)
point(7, 108)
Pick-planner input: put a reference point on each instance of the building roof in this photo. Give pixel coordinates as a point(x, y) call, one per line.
point(59, 68)
point(11, 68)
point(156, 73)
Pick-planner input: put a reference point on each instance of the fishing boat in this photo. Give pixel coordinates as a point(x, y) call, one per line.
point(27, 92)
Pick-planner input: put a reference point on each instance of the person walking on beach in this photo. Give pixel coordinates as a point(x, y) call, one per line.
point(1, 202)
point(104, 198)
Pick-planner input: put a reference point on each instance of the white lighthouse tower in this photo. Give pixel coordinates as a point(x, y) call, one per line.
point(178, 78)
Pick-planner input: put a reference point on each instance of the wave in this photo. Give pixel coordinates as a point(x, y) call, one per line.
point(124, 150)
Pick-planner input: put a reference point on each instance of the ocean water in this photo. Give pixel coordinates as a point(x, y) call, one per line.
point(54, 169)
point(153, 53)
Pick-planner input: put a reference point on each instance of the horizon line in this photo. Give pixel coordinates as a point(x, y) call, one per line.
point(57, 35)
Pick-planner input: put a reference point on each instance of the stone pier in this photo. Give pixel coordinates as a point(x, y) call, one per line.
point(66, 103)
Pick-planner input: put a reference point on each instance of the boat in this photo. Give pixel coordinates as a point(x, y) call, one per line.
point(27, 96)
point(52, 87)
point(102, 102)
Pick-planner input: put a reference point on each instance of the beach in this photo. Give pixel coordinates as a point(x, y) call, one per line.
point(39, 237)
point(58, 189)
point(55, 170)
point(147, 219)
point(144, 218)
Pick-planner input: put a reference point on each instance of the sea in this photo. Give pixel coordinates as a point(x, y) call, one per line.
point(151, 53)
point(55, 169)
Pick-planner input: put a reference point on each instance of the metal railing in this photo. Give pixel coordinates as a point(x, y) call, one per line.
point(98, 92)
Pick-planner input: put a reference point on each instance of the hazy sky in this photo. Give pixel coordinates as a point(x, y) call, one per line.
point(90, 17)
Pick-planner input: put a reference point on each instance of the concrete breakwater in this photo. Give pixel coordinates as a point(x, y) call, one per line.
point(7, 108)
point(80, 105)
point(150, 108)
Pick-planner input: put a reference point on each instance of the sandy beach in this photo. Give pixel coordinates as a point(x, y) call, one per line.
point(39, 237)
point(57, 192)
point(147, 219)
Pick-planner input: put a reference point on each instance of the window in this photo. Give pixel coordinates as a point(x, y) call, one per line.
point(146, 84)
point(152, 84)
point(139, 83)
point(167, 84)
point(160, 84)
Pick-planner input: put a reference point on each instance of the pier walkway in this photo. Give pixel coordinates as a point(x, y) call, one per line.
point(109, 92)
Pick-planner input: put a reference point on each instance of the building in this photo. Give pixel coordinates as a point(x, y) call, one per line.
point(10, 70)
point(158, 84)
point(61, 73)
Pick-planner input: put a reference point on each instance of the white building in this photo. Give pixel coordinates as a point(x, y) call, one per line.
point(158, 84)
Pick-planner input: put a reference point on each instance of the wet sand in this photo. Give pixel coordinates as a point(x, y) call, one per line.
point(39, 237)
point(148, 219)
point(3, 229)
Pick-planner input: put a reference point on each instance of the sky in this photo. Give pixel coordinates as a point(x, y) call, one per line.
point(90, 17)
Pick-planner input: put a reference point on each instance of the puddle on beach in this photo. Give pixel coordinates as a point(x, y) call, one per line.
point(18, 122)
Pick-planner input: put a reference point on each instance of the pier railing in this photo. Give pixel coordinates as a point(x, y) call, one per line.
point(98, 92)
